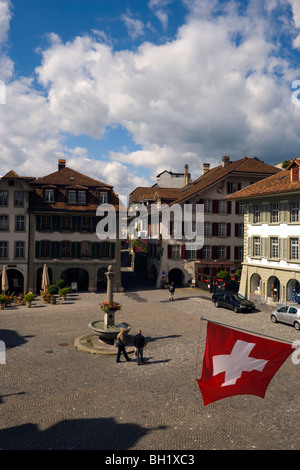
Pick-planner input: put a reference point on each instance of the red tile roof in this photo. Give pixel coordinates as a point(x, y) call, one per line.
point(243, 166)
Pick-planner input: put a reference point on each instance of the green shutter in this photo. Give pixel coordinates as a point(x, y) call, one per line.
point(37, 249)
point(112, 250)
point(38, 222)
point(55, 249)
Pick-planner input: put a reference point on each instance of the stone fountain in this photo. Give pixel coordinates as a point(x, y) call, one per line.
point(107, 329)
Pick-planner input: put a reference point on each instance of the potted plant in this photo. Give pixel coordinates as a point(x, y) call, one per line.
point(110, 306)
point(3, 300)
point(29, 297)
point(53, 289)
point(64, 292)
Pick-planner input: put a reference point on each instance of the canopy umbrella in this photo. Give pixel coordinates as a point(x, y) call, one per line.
point(4, 285)
point(45, 278)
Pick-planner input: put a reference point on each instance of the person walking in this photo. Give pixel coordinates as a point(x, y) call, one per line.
point(171, 291)
point(121, 342)
point(139, 343)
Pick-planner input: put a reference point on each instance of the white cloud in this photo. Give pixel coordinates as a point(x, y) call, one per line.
point(213, 90)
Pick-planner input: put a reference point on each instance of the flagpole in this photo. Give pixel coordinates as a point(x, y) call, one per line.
point(247, 331)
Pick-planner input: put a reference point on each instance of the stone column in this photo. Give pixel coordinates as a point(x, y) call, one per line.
point(109, 317)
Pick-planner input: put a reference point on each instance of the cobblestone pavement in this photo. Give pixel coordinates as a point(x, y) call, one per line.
point(56, 397)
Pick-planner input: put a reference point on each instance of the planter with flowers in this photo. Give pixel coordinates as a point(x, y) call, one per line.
point(3, 301)
point(109, 308)
point(29, 297)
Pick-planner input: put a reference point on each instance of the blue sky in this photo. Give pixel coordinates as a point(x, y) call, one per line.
point(125, 89)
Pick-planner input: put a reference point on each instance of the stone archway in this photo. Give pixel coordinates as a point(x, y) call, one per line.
point(273, 288)
point(79, 275)
point(176, 276)
point(15, 281)
point(292, 285)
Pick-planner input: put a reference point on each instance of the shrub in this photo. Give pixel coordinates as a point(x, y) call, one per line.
point(60, 283)
point(223, 275)
point(53, 289)
point(64, 291)
point(29, 297)
point(3, 299)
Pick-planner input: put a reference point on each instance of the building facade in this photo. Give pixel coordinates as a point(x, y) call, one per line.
point(271, 265)
point(60, 230)
point(169, 260)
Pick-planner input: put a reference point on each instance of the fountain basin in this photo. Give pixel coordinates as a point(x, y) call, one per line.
point(108, 332)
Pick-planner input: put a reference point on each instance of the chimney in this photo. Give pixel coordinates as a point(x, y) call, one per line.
point(187, 175)
point(225, 160)
point(205, 168)
point(61, 164)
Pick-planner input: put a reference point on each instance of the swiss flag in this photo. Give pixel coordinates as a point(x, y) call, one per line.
point(238, 363)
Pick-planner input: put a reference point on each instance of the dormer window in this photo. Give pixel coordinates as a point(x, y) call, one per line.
point(103, 198)
point(76, 196)
point(49, 195)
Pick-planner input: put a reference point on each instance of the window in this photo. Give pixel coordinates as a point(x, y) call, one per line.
point(275, 213)
point(81, 197)
point(240, 230)
point(66, 223)
point(232, 188)
point(65, 249)
point(274, 247)
point(3, 249)
point(72, 197)
point(240, 252)
point(20, 223)
point(206, 252)
point(86, 224)
point(191, 254)
point(256, 246)
point(207, 229)
point(207, 205)
point(222, 209)
point(85, 249)
point(46, 222)
point(19, 250)
point(45, 249)
point(294, 248)
point(176, 251)
point(104, 250)
point(222, 229)
point(49, 195)
point(103, 198)
point(19, 198)
point(3, 198)
point(4, 224)
point(242, 208)
point(221, 252)
point(257, 214)
point(295, 212)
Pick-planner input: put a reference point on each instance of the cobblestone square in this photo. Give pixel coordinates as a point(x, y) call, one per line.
point(54, 396)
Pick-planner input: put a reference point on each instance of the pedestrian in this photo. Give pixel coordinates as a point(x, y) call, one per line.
point(171, 291)
point(121, 342)
point(139, 343)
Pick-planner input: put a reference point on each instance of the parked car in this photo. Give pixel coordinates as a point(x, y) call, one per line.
point(287, 314)
point(235, 301)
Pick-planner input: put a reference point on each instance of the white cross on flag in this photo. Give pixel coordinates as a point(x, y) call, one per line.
point(238, 363)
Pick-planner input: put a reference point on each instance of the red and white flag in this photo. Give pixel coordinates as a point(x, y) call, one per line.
point(238, 363)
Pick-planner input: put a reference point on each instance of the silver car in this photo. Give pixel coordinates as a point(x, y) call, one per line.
point(287, 314)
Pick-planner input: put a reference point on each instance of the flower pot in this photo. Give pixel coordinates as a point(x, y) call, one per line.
point(53, 301)
point(2, 306)
point(28, 304)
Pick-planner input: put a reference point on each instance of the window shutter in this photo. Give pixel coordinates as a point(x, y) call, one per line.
point(214, 252)
point(55, 249)
point(38, 222)
point(215, 206)
point(228, 252)
point(236, 252)
point(237, 207)
point(215, 229)
point(37, 249)
point(183, 253)
point(228, 207)
point(112, 250)
point(169, 251)
point(228, 229)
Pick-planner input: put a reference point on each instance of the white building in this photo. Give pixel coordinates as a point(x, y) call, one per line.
point(271, 265)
